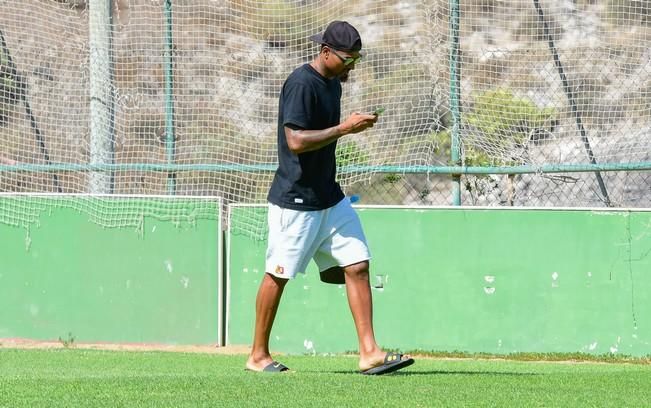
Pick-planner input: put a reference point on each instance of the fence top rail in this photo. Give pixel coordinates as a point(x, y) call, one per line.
point(211, 198)
point(263, 168)
point(597, 210)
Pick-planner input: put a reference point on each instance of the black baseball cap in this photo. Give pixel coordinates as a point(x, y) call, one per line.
point(339, 35)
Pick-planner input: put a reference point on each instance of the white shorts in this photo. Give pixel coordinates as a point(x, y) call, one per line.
point(332, 237)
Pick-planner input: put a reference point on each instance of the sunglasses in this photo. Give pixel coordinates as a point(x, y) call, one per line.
point(346, 60)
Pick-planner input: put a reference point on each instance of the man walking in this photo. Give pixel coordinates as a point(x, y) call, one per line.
point(309, 217)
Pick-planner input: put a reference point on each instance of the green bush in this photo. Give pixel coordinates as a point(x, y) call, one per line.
point(348, 154)
point(505, 121)
point(443, 146)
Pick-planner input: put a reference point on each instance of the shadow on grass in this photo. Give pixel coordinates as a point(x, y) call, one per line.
point(432, 372)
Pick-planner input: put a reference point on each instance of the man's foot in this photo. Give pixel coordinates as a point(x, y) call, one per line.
point(371, 359)
point(267, 365)
point(390, 362)
point(274, 367)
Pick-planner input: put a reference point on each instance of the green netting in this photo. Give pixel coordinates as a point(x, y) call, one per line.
point(180, 98)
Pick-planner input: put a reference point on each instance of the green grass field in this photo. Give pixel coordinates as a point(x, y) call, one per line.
point(92, 378)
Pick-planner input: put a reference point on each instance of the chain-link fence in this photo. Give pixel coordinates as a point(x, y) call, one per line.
point(626, 189)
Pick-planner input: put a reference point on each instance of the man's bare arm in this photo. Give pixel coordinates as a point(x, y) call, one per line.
point(301, 141)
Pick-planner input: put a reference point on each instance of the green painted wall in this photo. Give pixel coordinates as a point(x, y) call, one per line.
point(142, 270)
point(476, 280)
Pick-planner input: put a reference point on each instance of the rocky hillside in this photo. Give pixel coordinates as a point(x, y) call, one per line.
point(231, 57)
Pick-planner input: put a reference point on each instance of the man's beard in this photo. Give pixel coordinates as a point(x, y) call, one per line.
point(343, 77)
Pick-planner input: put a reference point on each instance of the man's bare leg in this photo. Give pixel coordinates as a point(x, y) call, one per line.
point(358, 289)
point(266, 306)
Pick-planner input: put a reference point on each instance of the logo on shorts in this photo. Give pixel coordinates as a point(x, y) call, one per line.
point(280, 270)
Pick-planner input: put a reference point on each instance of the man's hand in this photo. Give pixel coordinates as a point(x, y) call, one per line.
point(356, 123)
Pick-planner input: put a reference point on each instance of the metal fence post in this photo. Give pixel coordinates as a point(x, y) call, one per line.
point(455, 98)
point(101, 94)
point(169, 97)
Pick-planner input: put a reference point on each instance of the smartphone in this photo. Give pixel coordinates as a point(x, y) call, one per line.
point(378, 111)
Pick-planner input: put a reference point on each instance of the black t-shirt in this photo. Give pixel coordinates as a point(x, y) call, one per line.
point(306, 181)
